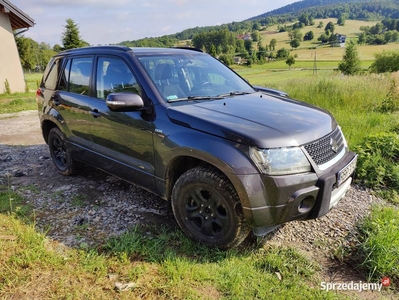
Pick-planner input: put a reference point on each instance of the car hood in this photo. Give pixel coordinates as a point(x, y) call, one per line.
point(256, 119)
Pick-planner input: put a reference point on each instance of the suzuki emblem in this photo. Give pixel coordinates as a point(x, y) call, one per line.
point(334, 145)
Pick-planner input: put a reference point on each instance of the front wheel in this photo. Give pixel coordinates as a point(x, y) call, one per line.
point(207, 208)
point(60, 153)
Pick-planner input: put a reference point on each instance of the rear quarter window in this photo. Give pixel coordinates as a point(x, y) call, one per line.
point(50, 81)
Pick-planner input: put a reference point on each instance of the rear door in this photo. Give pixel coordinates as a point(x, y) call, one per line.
point(72, 96)
point(124, 140)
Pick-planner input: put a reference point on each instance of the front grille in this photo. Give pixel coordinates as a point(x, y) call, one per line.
point(327, 148)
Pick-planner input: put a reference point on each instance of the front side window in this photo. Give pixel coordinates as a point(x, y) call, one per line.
point(190, 75)
point(114, 76)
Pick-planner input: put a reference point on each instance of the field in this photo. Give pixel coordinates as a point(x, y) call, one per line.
point(326, 56)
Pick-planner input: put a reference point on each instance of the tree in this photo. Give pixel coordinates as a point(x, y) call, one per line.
point(282, 53)
point(323, 38)
point(290, 61)
point(295, 35)
point(212, 50)
point(28, 51)
point(341, 20)
point(330, 28)
point(255, 36)
point(321, 24)
point(304, 19)
point(309, 36)
point(248, 45)
point(57, 48)
point(333, 40)
point(44, 55)
point(256, 26)
point(71, 38)
point(272, 45)
point(350, 64)
point(387, 61)
point(295, 43)
point(362, 38)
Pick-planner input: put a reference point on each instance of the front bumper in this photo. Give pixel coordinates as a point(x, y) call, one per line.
point(280, 199)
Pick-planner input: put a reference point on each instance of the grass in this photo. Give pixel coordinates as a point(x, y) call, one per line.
point(33, 80)
point(10, 103)
point(162, 265)
point(379, 244)
point(17, 102)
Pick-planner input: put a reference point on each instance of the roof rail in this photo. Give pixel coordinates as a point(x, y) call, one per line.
point(101, 47)
point(189, 48)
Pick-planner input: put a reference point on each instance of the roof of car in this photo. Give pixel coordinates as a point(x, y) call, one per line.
point(135, 50)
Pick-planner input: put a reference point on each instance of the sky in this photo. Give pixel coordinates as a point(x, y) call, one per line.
point(113, 21)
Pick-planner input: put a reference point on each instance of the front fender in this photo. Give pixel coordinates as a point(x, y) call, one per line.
point(230, 158)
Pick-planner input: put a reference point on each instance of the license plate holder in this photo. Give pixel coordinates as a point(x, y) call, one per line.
point(346, 171)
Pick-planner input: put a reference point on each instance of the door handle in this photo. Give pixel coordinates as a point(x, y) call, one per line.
point(95, 113)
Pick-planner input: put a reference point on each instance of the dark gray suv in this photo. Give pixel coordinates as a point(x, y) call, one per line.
point(231, 157)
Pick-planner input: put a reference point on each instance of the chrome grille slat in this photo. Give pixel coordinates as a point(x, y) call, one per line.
point(321, 151)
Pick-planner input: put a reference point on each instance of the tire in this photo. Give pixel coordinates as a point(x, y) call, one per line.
point(207, 208)
point(60, 153)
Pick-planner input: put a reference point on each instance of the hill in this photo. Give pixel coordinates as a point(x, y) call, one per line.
point(303, 5)
point(365, 10)
point(352, 9)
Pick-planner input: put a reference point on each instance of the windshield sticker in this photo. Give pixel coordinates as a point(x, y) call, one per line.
point(172, 97)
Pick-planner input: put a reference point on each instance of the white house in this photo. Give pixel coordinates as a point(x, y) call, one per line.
point(11, 18)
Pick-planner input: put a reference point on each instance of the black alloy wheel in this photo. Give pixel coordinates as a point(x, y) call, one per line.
point(207, 208)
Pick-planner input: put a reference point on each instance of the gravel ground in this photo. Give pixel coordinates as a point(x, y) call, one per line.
point(87, 209)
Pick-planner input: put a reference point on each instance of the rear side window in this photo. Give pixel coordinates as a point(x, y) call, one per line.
point(76, 75)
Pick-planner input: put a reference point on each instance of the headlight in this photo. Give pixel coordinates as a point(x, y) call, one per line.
point(281, 161)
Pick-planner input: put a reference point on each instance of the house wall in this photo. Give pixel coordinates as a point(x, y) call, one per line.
point(10, 65)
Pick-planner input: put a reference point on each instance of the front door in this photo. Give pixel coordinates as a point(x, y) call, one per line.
point(124, 140)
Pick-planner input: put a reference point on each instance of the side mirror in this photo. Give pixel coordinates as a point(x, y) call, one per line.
point(124, 102)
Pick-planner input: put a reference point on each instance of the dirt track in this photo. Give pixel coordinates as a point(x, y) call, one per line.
point(21, 128)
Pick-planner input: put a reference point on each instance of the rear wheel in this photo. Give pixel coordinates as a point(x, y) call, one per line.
point(60, 153)
point(207, 208)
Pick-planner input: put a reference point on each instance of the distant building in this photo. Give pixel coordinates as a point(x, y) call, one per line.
point(341, 40)
point(11, 18)
point(244, 37)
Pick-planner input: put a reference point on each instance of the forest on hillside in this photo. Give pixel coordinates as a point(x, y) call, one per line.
point(299, 6)
point(316, 9)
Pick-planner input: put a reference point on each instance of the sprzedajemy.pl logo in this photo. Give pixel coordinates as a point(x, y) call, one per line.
point(359, 286)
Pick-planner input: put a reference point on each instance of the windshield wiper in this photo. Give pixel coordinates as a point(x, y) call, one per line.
point(192, 98)
point(235, 93)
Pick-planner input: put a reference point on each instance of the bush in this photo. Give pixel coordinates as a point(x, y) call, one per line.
point(391, 102)
point(387, 61)
point(7, 89)
point(378, 163)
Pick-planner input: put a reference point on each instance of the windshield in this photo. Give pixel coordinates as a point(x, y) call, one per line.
point(192, 76)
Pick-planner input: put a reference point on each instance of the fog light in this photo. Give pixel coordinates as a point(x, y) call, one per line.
point(306, 204)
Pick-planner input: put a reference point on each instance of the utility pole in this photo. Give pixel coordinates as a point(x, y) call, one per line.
point(315, 63)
